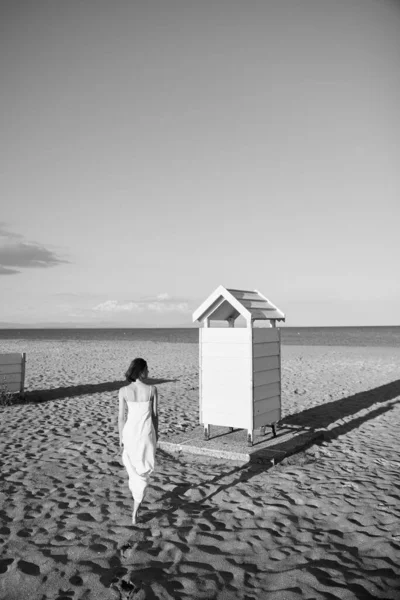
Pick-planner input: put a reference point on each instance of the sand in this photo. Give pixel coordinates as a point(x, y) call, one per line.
point(322, 524)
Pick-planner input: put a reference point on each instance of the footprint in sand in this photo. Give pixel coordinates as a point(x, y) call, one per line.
point(85, 517)
point(98, 548)
point(4, 564)
point(28, 567)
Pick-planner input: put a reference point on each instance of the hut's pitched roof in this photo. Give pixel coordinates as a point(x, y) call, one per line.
point(224, 304)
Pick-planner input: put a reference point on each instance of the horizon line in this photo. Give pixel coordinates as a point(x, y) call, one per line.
point(13, 326)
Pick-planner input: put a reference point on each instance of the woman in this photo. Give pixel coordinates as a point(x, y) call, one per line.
point(138, 429)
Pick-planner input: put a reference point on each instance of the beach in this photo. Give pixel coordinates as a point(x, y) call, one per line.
point(323, 524)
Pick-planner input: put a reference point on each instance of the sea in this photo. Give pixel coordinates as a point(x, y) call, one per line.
point(388, 336)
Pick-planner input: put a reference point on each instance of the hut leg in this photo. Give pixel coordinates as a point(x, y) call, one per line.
point(263, 430)
point(250, 437)
point(230, 429)
point(23, 366)
point(207, 432)
point(273, 429)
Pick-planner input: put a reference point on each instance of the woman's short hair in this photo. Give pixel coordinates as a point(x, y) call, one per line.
point(135, 369)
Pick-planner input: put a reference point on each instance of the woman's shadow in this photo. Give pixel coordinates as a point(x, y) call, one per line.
point(37, 396)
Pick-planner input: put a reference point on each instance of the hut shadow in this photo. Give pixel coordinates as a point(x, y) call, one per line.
point(291, 452)
point(323, 415)
point(205, 509)
point(251, 469)
point(38, 396)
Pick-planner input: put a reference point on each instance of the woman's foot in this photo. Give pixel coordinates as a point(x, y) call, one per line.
point(135, 511)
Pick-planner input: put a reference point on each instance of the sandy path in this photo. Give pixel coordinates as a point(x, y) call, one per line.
point(324, 524)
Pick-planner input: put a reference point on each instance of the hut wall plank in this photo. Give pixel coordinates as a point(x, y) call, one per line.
point(225, 335)
point(266, 377)
point(13, 358)
point(220, 376)
point(13, 387)
point(264, 406)
point(226, 350)
point(267, 418)
point(7, 378)
point(266, 391)
point(226, 385)
point(264, 335)
point(266, 349)
point(15, 368)
point(265, 363)
point(225, 366)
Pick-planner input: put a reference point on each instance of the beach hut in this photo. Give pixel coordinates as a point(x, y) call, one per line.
point(12, 372)
point(240, 367)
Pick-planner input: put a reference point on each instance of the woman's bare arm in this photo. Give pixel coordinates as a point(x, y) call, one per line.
point(121, 415)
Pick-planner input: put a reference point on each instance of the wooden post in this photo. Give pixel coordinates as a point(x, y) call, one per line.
point(231, 322)
point(23, 372)
point(250, 432)
point(200, 375)
point(206, 431)
point(280, 374)
point(250, 437)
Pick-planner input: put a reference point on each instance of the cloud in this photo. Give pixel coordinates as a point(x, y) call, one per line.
point(154, 306)
point(163, 296)
point(5, 271)
point(22, 254)
point(67, 294)
point(5, 233)
point(28, 255)
point(114, 306)
point(168, 306)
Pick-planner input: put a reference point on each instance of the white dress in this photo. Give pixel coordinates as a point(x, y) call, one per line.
point(139, 441)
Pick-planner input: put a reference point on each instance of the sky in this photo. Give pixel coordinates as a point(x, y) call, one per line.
point(152, 151)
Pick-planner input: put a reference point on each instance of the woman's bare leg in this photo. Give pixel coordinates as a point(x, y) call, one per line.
point(135, 510)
